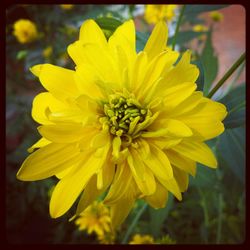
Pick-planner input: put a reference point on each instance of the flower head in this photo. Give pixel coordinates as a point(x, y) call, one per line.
point(25, 31)
point(216, 16)
point(159, 12)
point(141, 239)
point(167, 240)
point(47, 52)
point(200, 28)
point(95, 218)
point(132, 125)
point(67, 6)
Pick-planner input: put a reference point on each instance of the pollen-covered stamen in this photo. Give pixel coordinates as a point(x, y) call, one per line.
point(123, 115)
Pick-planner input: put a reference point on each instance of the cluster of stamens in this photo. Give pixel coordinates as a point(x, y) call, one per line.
point(123, 114)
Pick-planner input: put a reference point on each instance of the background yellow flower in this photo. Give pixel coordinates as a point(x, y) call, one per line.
point(141, 239)
point(216, 16)
point(200, 28)
point(96, 218)
point(67, 6)
point(25, 31)
point(157, 12)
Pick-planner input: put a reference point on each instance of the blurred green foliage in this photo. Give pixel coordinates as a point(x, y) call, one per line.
point(213, 208)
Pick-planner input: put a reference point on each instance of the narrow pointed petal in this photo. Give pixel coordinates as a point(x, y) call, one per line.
point(70, 187)
point(181, 178)
point(197, 151)
point(59, 81)
point(90, 32)
point(181, 162)
point(157, 41)
point(47, 161)
point(159, 198)
point(63, 133)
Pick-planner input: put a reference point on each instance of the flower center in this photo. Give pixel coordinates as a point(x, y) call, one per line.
point(123, 114)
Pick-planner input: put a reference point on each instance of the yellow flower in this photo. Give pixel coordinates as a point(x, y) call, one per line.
point(95, 218)
point(131, 125)
point(216, 16)
point(200, 28)
point(142, 239)
point(25, 31)
point(166, 240)
point(47, 51)
point(67, 6)
point(157, 12)
point(106, 238)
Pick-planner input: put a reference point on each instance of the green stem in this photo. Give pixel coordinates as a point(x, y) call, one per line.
point(178, 26)
point(134, 222)
point(205, 211)
point(227, 75)
point(219, 226)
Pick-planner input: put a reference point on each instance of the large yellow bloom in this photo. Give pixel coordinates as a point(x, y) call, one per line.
point(126, 123)
point(159, 12)
point(25, 31)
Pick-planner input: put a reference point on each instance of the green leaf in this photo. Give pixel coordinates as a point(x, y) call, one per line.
point(185, 36)
point(231, 151)
point(195, 9)
point(108, 24)
point(200, 80)
point(157, 217)
point(141, 40)
point(21, 54)
point(205, 177)
point(235, 102)
point(210, 63)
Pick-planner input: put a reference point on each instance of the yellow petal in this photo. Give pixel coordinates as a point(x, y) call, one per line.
point(171, 127)
point(158, 162)
point(86, 80)
point(120, 185)
point(40, 104)
point(206, 119)
point(39, 144)
point(187, 105)
point(35, 70)
point(161, 63)
point(172, 186)
point(62, 133)
point(100, 139)
point(143, 176)
point(157, 41)
point(70, 187)
point(91, 192)
point(197, 151)
point(46, 109)
point(139, 70)
point(120, 210)
point(116, 147)
point(59, 81)
point(159, 198)
point(165, 142)
point(76, 52)
point(48, 161)
point(65, 172)
point(181, 162)
point(173, 96)
point(182, 72)
point(99, 59)
point(182, 179)
point(124, 38)
point(90, 32)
